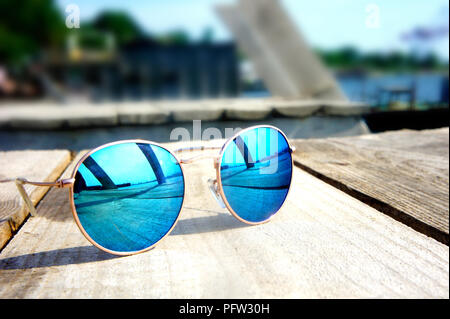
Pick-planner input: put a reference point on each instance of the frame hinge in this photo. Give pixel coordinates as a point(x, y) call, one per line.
point(66, 182)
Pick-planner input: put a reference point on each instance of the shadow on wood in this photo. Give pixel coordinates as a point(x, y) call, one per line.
point(206, 224)
point(56, 257)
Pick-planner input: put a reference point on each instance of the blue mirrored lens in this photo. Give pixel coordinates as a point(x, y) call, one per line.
point(128, 196)
point(256, 171)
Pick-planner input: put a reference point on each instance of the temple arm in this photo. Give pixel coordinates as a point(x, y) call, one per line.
point(28, 202)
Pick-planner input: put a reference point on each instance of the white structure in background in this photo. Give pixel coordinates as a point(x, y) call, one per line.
point(278, 51)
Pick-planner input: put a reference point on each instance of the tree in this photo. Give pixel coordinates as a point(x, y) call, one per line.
point(179, 37)
point(120, 24)
point(28, 26)
point(207, 36)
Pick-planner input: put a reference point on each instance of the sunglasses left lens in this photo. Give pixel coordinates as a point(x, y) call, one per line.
point(128, 196)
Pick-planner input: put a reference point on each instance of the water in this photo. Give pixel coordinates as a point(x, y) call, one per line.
point(428, 87)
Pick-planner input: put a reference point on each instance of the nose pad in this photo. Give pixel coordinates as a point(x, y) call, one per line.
point(213, 187)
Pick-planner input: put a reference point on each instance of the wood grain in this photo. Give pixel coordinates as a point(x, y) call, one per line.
point(404, 174)
point(323, 244)
point(35, 166)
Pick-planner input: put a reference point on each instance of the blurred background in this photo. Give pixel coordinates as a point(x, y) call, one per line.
point(388, 55)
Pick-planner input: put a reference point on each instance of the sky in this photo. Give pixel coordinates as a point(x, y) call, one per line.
point(374, 25)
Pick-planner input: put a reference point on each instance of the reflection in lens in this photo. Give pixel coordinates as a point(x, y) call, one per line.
point(256, 171)
point(128, 196)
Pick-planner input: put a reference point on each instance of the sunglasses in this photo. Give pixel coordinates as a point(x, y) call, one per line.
point(126, 196)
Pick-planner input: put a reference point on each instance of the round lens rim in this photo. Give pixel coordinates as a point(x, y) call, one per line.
point(219, 178)
point(75, 214)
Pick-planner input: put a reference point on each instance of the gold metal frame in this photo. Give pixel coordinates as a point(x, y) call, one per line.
point(219, 179)
point(69, 183)
point(72, 202)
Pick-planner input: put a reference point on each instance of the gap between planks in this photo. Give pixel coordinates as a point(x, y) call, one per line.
point(403, 174)
point(381, 206)
point(324, 244)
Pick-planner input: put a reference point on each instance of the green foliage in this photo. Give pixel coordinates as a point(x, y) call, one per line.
point(28, 25)
point(120, 24)
point(207, 36)
point(176, 37)
point(89, 37)
point(351, 58)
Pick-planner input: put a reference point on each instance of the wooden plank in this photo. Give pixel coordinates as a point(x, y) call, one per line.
point(35, 166)
point(50, 116)
point(297, 108)
point(248, 110)
point(141, 113)
point(404, 174)
point(186, 111)
point(323, 244)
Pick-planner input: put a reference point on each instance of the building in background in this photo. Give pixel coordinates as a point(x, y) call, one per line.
point(144, 69)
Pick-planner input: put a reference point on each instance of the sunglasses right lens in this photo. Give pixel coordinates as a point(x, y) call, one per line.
point(128, 196)
point(256, 171)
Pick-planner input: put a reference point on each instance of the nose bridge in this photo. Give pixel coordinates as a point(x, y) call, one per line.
point(197, 158)
point(212, 183)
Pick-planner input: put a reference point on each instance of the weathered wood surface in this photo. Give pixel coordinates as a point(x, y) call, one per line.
point(34, 166)
point(403, 173)
point(49, 116)
point(324, 243)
